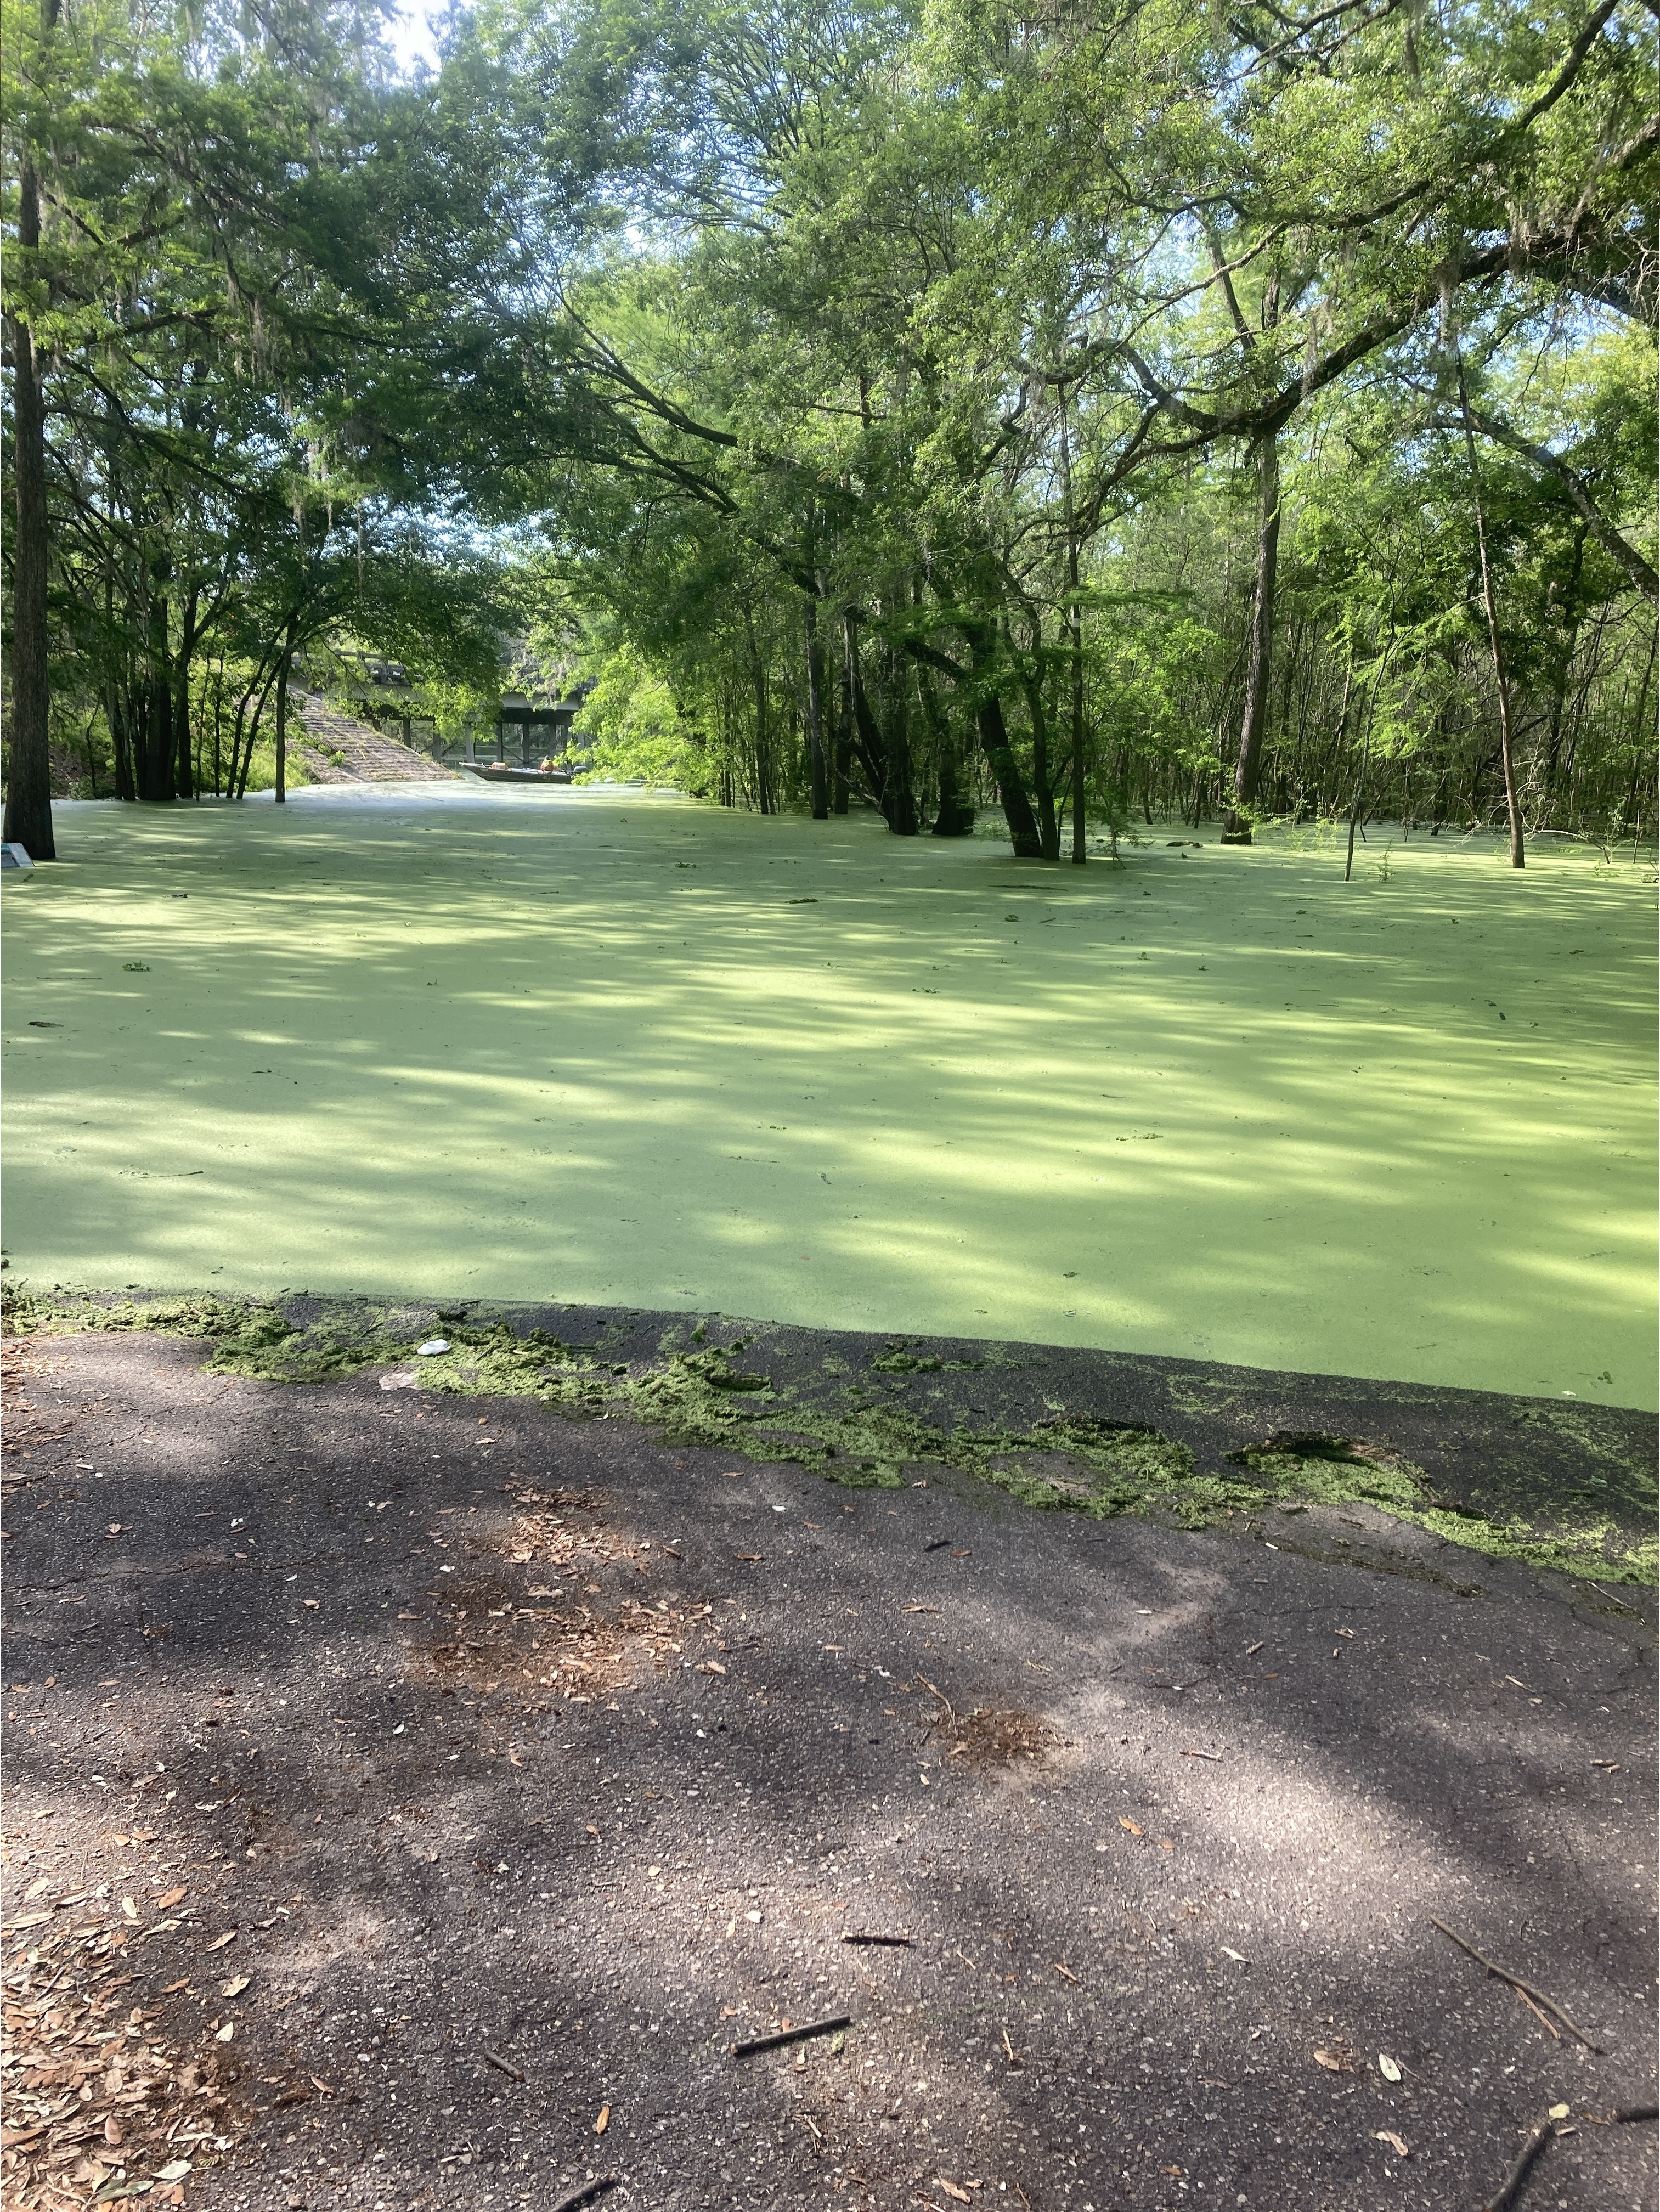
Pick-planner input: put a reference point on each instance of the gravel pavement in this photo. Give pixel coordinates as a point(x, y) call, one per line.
point(534, 1763)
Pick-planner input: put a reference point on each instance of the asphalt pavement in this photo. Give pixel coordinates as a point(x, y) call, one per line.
point(520, 1766)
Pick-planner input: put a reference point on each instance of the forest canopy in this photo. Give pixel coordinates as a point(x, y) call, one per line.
point(1125, 408)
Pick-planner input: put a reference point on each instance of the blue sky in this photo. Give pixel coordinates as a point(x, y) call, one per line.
point(411, 36)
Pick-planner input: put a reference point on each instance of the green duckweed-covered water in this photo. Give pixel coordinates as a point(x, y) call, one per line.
point(600, 1045)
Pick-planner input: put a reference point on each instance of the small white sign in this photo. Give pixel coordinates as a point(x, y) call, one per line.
point(14, 856)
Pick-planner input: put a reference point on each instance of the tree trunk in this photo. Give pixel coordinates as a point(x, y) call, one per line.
point(248, 736)
point(1000, 759)
point(284, 667)
point(1236, 829)
point(872, 746)
point(1361, 780)
point(815, 749)
point(954, 816)
point(1501, 680)
point(155, 747)
point(280, 793)
point(763, 750)
point(1049, 830)
point(184, 780)
point(900, 808)
point(1075, 642)
point(116, 714)
point(843, 721)
point(1564, 663)
point(28, 782)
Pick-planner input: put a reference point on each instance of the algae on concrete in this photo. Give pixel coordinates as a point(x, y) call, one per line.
point(848, 1429)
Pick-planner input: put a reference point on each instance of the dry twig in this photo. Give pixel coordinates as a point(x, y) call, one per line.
point(791, 2035)
point(940, 1694)
point(1538, 2135)
point(1503, 1974)
point(586, 2193)
point(1544, 2018)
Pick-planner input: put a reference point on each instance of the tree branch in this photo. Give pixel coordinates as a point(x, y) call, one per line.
point(1579, 492)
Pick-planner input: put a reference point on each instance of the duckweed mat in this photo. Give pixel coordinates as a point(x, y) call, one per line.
point(1213, 1104)
point(1550, 1484)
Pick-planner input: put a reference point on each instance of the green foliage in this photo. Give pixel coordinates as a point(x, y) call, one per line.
point(884, 319)
point(635, 727)
point(654, 339)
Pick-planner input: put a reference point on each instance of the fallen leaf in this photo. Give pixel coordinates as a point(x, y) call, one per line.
point(173, 1988)
point(1560, 2111)
point(1232, 1953)
point(1175, 2170)
point(311, 1603)
point(1387, 2067)
point(711, 1666)
point(175, 2170)
point(604, 2120)
point(170, 1897)
point(226, 2031)
point(129, 1909)
point(1389, 2136)
point(234, 1987)
point(1125, 1822)
point(112, 2130)
point(1334, 2062)
point(961, 2195)
point(28, 1920)
point(220, 1941)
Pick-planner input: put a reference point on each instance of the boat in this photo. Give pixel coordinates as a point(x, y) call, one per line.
point(499, 772)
